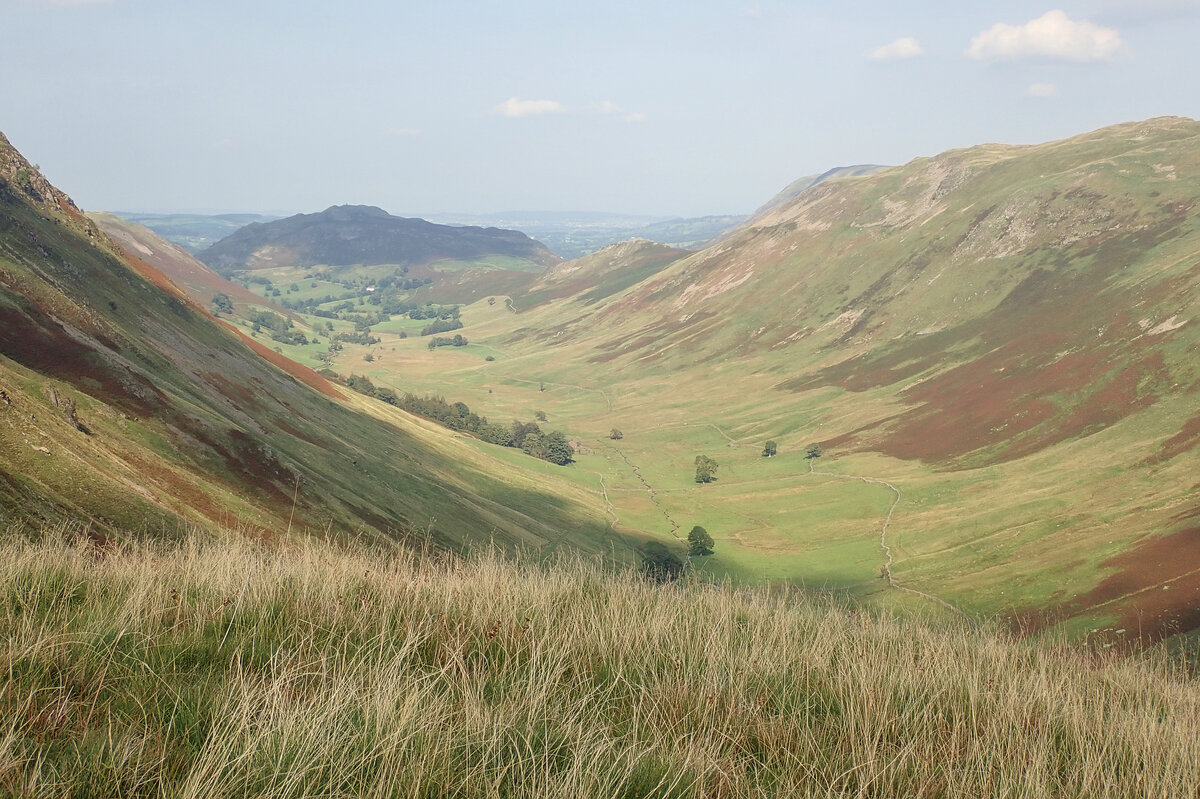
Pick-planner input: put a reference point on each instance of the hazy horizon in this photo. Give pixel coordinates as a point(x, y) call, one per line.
point(664, 110)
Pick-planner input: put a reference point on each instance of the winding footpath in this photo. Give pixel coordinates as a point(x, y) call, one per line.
point(637, 472)
point(883, 544)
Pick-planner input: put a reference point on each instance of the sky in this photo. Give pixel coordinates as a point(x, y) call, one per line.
point(655, 107)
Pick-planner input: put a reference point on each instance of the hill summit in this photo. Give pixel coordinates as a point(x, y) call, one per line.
point(343, 235)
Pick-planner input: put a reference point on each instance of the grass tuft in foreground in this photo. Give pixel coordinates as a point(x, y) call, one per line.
point(224, 669)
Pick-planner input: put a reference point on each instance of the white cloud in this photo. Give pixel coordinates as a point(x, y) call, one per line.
point(512, 107)
point(905, 47)
point(608, 107)
point(404, 132)
point(1042, 90)
point(1053, 35)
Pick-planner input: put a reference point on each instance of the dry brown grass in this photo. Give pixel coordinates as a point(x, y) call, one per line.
point(226, 669)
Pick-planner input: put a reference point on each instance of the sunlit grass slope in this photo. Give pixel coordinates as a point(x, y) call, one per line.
point(220, 668)
point(1006, 335)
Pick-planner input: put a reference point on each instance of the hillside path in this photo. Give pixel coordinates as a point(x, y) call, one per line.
point(883, 544)
point(601, 392)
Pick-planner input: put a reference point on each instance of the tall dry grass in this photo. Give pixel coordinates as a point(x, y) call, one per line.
point(221, 668)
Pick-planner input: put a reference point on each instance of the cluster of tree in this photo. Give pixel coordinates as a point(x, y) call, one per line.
point(434, 312)
point(364, 385)
point(363, 337)
point(309, 305)
point(397, 282)
point(439, 341)
point(222, 303)
point(442, 326)
point(552, 446)
point(397, 303)
point(548, 445)
point(770, 449)
point(660, 564)
point(280, 328)
point(706, 469)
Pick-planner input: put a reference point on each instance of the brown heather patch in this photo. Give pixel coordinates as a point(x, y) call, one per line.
point(297, 432)
point(184, 491)
point(1185, 440)
point(44, 346)
point(256, 466)
point(240, 395)
point(1155, 589)
point(1061, 356)
point(996, 399)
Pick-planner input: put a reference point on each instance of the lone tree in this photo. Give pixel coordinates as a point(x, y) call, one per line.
point(699, 541)
point(813, 451)
point(769, 449)
point(616, 435)
point(660, 564)
point(706, 469)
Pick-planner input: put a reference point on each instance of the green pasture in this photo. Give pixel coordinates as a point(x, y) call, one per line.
point(977, 537)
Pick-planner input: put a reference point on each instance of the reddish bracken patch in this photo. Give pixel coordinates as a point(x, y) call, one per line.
point(997, 401)
point(1156, 588)
point(1185, 440)
point(157, 278)
point(41, 344)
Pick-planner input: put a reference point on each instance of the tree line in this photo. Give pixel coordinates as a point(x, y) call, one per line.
point(547, 445)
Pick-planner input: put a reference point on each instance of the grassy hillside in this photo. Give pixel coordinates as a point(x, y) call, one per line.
point(194, 232)
point(222, 668)
point(124, 404)
point(201, 283)
point(1002, 341)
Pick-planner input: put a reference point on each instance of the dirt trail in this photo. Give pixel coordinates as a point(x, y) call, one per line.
point(637, 472)
point(601, 392)
point(883, 544)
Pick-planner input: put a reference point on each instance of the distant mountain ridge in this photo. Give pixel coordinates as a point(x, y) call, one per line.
point(574, 234)
point(344, 235)
point(800, 185)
